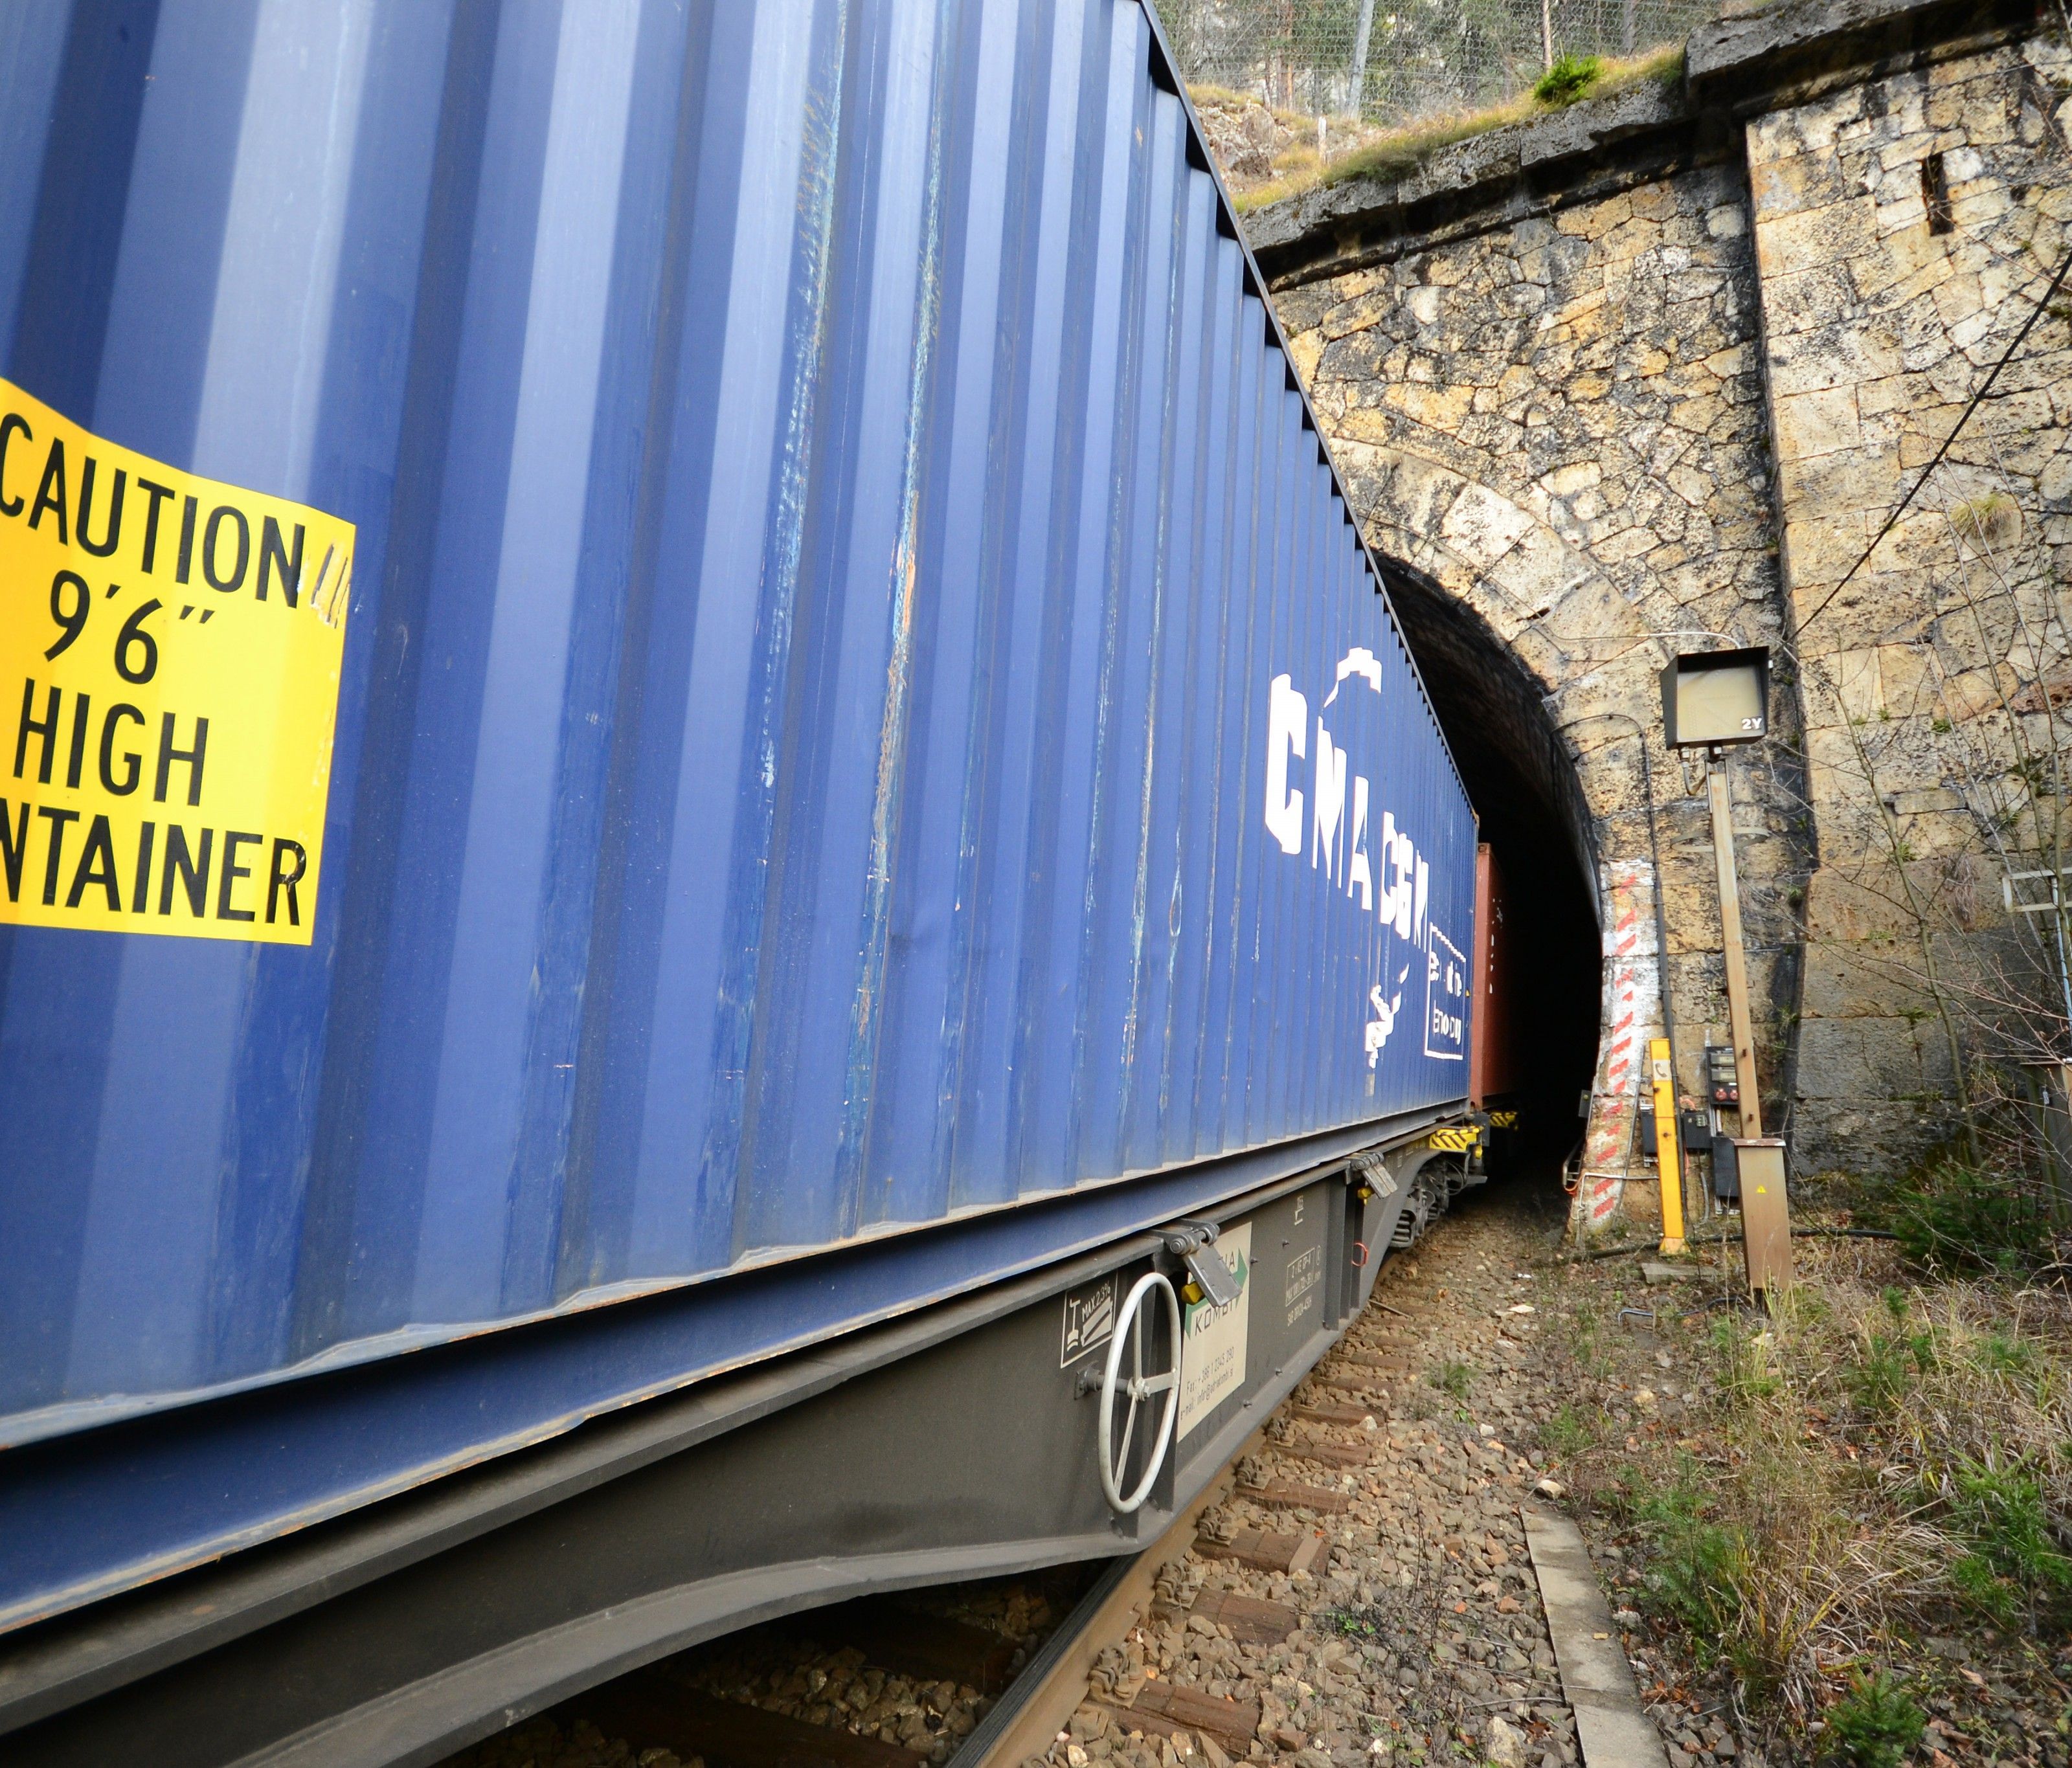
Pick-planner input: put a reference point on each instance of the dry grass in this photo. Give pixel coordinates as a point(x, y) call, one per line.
point(1987, 522)
point(1206, 91)
point(1398, 151)
point(1390, 155)
point(1878, 1462)
point(1853, 1424)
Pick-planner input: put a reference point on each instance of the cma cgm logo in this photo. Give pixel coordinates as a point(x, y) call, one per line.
point(1382, 871)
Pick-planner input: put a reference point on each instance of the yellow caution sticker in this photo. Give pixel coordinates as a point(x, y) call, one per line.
point(170, 649)
point(1455, 1139)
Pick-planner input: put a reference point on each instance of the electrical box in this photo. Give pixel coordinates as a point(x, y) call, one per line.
point(1726, 1170)
point(1710, 698)
point(1765, 1217)
point(1722, 1081)
point(1695, 1129)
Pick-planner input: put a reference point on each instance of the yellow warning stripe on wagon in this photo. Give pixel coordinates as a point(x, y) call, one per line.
point(1457, 1141)
point(169, 648)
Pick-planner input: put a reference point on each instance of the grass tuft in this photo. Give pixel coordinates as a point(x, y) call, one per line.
point(1994, 519)
point(1452, 1378)
point(1569, 79)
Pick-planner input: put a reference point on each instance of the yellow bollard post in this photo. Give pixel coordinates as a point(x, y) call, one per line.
point(1668, 1154)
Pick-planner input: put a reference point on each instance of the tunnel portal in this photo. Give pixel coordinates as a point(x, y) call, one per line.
point(1522, 782)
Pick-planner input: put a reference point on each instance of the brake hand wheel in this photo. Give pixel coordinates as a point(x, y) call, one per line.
point(1137, 1388)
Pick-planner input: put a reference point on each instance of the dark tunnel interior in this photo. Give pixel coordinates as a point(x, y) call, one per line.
point(1534, 817)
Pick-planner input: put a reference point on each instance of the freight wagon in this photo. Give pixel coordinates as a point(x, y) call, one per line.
point(706, 807)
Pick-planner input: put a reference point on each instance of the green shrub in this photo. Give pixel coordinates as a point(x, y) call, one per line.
point(1693, 1572)
point(1885, 1366)
point(2015, 1564)
point(1569, 79)
point(1876, 1725)
point(1985, 1589)
point(1955, 1218)
point(2005, 1354)
point(1568, 1433)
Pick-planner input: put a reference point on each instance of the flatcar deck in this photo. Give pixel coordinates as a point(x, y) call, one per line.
point(1280, 1562)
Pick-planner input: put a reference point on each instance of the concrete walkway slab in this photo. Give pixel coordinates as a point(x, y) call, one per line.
point(1611, 1724)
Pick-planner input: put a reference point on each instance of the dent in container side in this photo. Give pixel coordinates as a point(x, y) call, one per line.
point(861, 704)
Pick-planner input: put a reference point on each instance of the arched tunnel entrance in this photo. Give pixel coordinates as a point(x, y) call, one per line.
point(1524, 787)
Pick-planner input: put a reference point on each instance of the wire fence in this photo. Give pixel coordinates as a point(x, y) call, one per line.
point(1397, 61)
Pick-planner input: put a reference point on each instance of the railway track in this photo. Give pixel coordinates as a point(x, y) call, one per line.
point(1353, 1584)
point(885, 1682)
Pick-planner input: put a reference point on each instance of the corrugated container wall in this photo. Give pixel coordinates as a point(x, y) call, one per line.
point(860, 700)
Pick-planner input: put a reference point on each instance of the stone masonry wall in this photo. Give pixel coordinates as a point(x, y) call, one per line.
point(1626, 383)
point(1881, 321)
point(1562, 420)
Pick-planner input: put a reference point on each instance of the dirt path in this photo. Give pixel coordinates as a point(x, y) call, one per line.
point(1415, 1635)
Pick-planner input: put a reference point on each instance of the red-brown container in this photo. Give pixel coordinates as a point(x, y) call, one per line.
point(1493, 1064)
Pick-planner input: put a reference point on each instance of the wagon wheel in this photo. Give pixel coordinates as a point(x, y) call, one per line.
point(1137, 1388)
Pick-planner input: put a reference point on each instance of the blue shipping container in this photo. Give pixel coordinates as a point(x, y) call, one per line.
point(861, 703)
